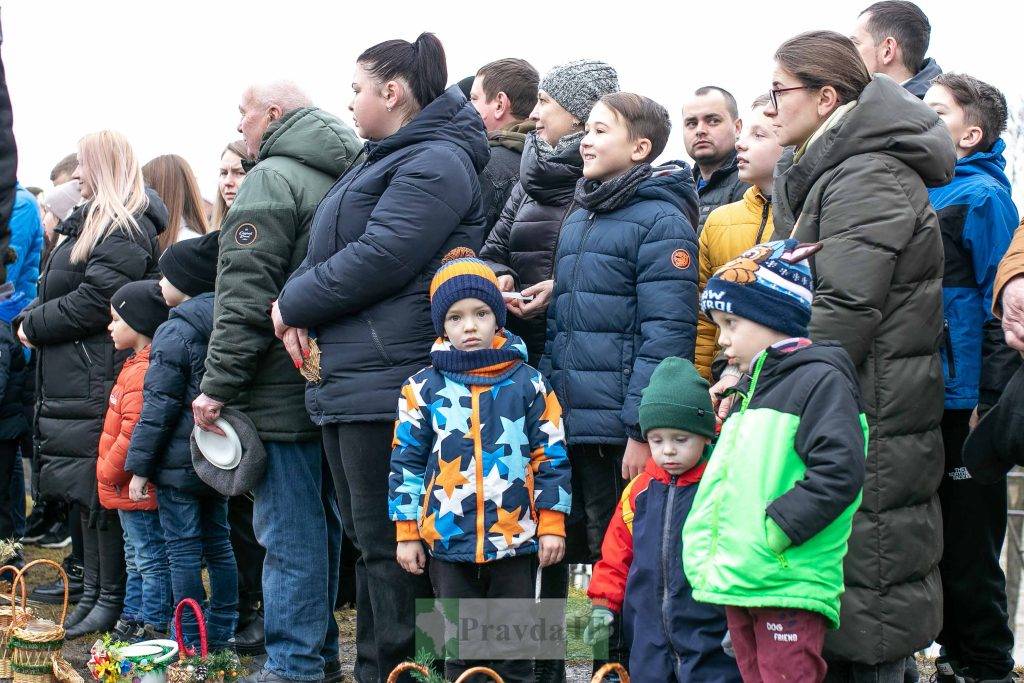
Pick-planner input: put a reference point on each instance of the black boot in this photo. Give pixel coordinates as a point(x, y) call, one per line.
point(90, 579)
point(110, 602)
point(250, 639)
point(53, 593)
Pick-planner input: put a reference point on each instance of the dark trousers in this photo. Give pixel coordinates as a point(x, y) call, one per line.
point(510, 578)
point(597, 485)
point(774, 644)
point(975, 630)
point(8, 458)
point(359, 455)
point(249, 556)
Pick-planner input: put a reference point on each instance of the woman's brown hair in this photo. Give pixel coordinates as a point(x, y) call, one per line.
point(820, 58)
point(220, 207)
point(172, 178)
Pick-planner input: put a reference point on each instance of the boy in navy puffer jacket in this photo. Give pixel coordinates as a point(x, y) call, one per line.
point(193, 516)
point(479, 470)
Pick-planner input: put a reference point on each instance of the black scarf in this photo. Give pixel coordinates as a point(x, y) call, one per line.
point(593, 195)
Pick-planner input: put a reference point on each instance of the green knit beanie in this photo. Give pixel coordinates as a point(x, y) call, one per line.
point(677, 398)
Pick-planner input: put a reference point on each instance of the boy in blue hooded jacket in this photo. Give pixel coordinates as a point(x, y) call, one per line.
point(977, 218)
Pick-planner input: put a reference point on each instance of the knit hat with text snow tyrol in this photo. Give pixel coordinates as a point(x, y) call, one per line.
point(463, 276)
point(770, 284)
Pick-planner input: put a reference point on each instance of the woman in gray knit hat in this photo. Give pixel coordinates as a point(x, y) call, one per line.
point(521, 247)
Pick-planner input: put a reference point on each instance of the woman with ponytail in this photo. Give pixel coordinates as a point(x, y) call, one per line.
point(376, 240)
point(108, 241)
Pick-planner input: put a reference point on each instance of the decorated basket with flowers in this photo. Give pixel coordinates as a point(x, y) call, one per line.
point(193, 667)
point(112, 661)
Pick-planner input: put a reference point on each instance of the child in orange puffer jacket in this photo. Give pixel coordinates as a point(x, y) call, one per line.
point(136, 310)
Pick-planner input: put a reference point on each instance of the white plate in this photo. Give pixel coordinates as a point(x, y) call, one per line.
point(223, 452)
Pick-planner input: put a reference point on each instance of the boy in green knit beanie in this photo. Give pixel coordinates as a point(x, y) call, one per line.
point(670, 636)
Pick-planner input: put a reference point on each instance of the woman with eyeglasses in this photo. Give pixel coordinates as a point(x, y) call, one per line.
point(865, 152)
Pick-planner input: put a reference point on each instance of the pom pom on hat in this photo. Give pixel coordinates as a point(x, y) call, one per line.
point(463, 276)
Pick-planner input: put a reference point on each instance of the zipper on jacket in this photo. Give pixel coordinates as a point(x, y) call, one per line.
point(378, 343)
point(478, 458)
point(666, 530)
point(764, 221)
point(572, 301)
point(947, 342)
point(84, 353)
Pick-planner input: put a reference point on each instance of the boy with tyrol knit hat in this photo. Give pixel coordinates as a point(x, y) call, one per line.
point(193, 517)
point(670, 636)
point(136, 311)
point(479, 471)
point(769, 526)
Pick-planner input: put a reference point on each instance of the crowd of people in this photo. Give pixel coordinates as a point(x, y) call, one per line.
point(483, 336)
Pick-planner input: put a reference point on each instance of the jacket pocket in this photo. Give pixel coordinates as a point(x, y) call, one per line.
point(378, 344)
point(65, 371)
point(947, 345)
point(780, 557)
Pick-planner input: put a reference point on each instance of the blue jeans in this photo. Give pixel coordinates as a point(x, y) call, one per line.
point(196, 527)
point(296, 520)
point(147, 596)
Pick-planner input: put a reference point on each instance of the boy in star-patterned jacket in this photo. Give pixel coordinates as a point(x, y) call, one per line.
point(479, 470)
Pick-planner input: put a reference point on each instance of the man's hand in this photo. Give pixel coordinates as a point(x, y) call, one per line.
point(723, 404)
point(24, 339)
point(1013, 313)
point(206, 410)
point(634, 460)
point(137, 488)
point(552, 549)
point(411, 557)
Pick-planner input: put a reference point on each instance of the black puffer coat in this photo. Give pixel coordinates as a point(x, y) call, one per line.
point(77, 363)
point(523, 241)
point(376, 241)
point(160, 447)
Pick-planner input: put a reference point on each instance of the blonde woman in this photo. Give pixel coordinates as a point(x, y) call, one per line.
point(172, 178)
point(109, 240)
point(229, 178)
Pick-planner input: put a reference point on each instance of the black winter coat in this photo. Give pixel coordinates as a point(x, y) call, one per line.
point(723, 187)
point(77, 363)
point(524, 239)
point(502, 172)
point(160, 446)
point(376, 241)
point(12, 384)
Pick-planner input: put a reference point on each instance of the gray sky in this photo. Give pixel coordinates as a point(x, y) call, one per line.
point(169, 74)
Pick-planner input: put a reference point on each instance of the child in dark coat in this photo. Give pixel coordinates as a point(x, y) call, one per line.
point(193, 516)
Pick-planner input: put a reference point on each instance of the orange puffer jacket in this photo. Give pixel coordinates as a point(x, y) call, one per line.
point(123, 412)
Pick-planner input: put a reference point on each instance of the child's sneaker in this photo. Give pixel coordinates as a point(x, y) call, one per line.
point(127, 631)
point(947, 670)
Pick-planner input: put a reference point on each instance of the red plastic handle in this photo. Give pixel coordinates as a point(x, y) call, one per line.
point(184, 651)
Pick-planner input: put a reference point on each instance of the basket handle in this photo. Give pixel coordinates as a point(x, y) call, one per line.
point(63, 577)
point(184, 651)
point(16, 573)
point(476, 670)
point(406, 666)
point(607, 669)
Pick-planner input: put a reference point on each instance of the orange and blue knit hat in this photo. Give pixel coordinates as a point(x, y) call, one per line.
point(463, 276)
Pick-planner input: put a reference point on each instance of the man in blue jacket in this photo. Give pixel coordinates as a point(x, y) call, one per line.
point(27, 243)
point(977, 217)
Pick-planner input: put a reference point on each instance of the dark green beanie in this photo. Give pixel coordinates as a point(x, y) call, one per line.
point(677, 398)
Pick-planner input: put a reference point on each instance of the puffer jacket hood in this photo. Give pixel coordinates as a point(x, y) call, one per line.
point(449, 118)
point(991, 164)
point(886, 119)
point(922, 80)
point(512, 137)
point(156, 211)
point(550, 181)
point(196, 312)
point(673, 183)
point(312, 137)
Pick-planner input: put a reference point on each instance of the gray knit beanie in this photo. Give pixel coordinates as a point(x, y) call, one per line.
point(577, 86)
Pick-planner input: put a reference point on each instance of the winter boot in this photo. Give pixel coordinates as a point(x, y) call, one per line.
point(251, 639)
point(53, 593)
point(90, 580)
point(110, 602)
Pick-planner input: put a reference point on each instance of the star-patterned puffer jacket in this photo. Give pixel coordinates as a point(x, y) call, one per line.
point(479, 468)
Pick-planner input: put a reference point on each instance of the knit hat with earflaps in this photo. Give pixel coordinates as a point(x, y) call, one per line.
point(463, 276)
point(770, 284)
point(677, 397)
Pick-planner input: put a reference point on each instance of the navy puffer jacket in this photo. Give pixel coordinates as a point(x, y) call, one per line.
point(159, 448)
point(376, 240)
point(625, 298)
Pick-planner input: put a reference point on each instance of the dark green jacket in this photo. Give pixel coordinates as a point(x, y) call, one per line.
point(263, 239)
point(860, 189)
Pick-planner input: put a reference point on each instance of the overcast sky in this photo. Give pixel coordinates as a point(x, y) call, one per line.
point(169, 74)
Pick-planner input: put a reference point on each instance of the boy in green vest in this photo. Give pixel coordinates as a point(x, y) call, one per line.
point(769, 526)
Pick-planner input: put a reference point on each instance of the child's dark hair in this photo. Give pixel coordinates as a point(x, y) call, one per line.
point(516, 78)
point(984, 106)
point(644, 118)
point(421, 64)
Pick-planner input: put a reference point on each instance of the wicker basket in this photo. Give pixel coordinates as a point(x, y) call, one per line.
point(8, 611)
point(466, 675)
point(609, 668)
point(476, 670)
point(406, 666)
point(177, 673)
point(34, 643)
point(63, 672)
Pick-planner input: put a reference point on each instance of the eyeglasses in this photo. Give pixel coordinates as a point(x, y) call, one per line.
point(773, 94)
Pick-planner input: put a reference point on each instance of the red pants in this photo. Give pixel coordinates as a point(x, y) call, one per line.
point(774, 644)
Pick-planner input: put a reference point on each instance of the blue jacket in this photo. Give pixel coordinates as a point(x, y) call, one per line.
point(375, 242)
point(977, 217)
point(27, 243)
point(671, 636)
point(479, 450)
point(159, 447)
point(625, 298)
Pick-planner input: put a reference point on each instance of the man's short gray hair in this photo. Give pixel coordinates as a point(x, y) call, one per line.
point(284, 94)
